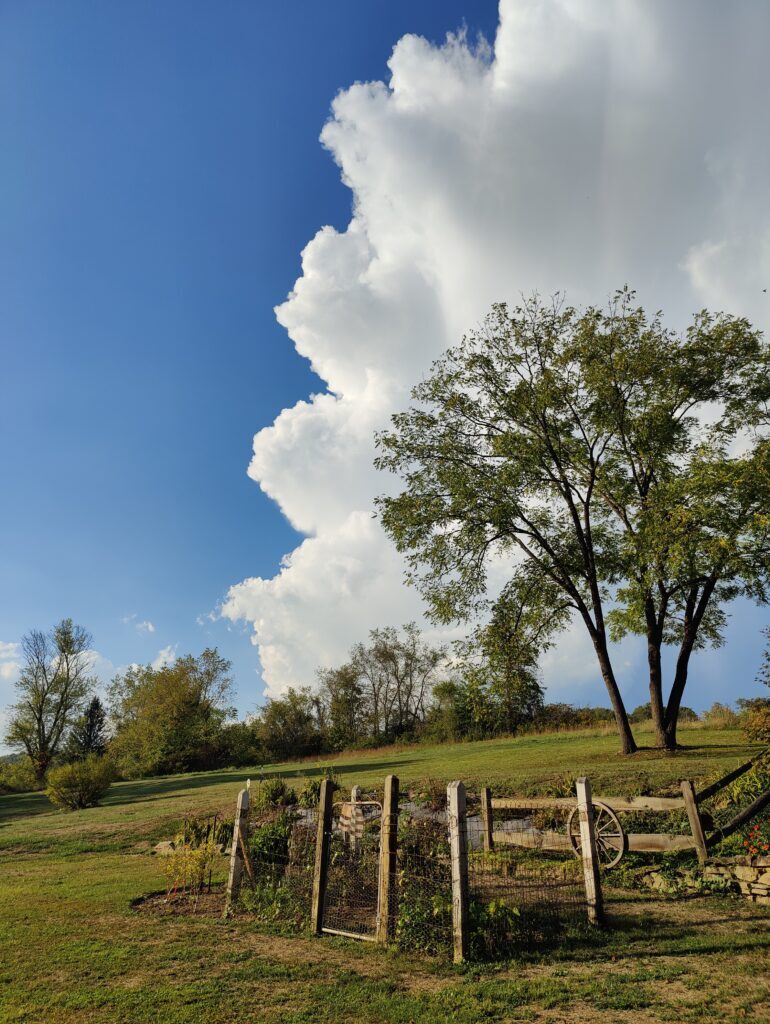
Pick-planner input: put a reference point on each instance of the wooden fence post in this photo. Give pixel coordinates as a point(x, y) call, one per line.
point(589, 852)
point(386, 895)
point(240, 826)
point(458, 847)
point(693, 815)
point(487, 819)
point(321, 870)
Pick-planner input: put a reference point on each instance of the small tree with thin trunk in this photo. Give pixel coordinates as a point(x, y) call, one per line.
point(52, 688)
point(502, 653)
point(596, 450)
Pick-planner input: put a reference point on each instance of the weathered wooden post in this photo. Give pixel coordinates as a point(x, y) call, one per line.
point(487, 819)
point(321, 871)
point(693, 815)
point(240, 827)
point(589, 852)
point(458, 850)
point(386, 894)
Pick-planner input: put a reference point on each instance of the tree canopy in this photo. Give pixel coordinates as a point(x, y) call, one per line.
point(170, 719)
point(599, 455)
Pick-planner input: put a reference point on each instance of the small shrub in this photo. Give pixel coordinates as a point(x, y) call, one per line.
point(80, 784)
point(495, 926)
point(720, 716)
point(187, 867)
point(755, 719)
point(197, 831)
point(424, 921)
point(18, 776)
point(311, 794)
point(274, 793)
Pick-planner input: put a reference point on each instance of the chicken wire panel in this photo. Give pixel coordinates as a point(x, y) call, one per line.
point(421, 905)
point(282, 845)
point(520, 898)
point(352, 881)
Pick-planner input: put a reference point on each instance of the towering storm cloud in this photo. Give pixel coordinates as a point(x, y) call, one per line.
point(595, 144)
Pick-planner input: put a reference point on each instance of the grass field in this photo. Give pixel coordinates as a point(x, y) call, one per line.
point(72, 949)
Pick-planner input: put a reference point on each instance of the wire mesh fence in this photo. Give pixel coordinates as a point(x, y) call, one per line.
point(515, 898)
point(281, 844)
point(422, 897)
point(351, 893)
point(520, 897)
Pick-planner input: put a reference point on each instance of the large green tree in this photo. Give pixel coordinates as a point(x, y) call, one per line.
point(291, 725)
point(603, 454)
point(53, 686)
point(171, 719)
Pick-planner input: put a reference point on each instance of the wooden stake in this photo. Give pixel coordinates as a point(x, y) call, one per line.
point(240, 827)
point(321, 870)
point(487, 820)
point(589, 852)
point(458, 845)
point(696, 825)
point(386, 895)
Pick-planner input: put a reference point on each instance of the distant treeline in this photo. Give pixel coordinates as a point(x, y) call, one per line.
point(395, 688)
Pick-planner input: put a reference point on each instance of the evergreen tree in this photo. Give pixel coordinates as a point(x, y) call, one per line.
point(89, 733)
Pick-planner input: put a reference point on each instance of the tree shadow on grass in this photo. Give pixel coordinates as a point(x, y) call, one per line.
point(19, 805)
point(22, 805)
point(654, 934)
point(143, 790)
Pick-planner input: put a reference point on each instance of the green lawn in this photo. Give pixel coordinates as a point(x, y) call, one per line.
point(71, 948)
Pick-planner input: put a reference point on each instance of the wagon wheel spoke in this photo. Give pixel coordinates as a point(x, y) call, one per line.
point(610, 839)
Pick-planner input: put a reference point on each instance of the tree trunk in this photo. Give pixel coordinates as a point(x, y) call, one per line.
point(657, 709)
point(675, 698)
point(41, 762)
point(628, 745)
point(694, 612)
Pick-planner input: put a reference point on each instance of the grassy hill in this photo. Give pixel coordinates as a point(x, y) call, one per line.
point(71, 948)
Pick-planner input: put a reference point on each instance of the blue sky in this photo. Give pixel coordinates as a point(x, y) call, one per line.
point(162, 175)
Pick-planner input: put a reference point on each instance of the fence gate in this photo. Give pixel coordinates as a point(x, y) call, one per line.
point(350, 905)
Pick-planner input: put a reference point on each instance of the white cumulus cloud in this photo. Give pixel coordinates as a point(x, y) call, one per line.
point(595, 143)
point(10, 664)
point(140, 625)
point(166, 655)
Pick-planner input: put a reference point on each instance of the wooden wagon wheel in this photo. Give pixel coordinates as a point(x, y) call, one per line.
point(610, 838)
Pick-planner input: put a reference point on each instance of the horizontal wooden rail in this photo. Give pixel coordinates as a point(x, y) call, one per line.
point(658, 842)
point(636, 842)
point(530, 803)
point(617, 803)
point(532, 840)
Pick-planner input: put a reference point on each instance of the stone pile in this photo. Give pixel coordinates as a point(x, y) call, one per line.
point(749, 876)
